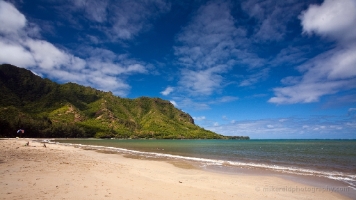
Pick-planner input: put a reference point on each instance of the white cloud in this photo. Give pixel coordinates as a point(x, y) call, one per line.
point(333, 18)
point(269, 31)
point(201, 82)
point(261, 74)
point(94, 10)
point(11, 19)
point(352, 112)
point(47, 56)
point(113, 68)
point(188, 103)
point(271, 17)
point(343, 64)
point(291, 53)
point(136, 16)
point(109, 83)
point(174, 103)
point(205, 47)
point(208, 38)
point(136, 68)
point(312, 127)
point(199, 118)
point(329, 72)
point(225, 99)
point(202, 102)
point(255, 129)
point(167, 91)
point(99, 68)
point(11, 52)
point(118, 19)
point(306, 92)
point(214, 40)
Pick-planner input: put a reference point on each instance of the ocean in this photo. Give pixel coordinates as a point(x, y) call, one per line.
point(332, 159)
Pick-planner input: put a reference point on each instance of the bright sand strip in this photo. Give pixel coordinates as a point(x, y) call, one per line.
point(65, 172)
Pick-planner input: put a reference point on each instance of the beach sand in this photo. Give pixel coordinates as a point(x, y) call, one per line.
point(65, 172)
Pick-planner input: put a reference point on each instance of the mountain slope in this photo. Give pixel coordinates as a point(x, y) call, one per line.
point(46, 109)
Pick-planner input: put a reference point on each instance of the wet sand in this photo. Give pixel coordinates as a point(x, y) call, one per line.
point(65, 172)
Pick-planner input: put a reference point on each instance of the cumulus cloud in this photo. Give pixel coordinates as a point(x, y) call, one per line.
point(11, 19)
point(11, 52)
point(333, 18)
point(98, 68)
point(332, 71)
point(48, 56)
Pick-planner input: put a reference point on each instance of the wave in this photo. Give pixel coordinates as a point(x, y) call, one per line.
point(349, 179)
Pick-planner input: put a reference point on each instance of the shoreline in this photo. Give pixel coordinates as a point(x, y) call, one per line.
point(65, 172)
point(299, 172)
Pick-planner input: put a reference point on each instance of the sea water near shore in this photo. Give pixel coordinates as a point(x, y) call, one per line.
point(332, 159)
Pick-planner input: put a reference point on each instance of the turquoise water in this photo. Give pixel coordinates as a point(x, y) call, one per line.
point(333, 159)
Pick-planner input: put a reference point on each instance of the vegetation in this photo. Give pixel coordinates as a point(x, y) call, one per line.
point(237, 137)
point(47, 109)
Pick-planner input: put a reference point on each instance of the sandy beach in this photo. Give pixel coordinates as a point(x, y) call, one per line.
point(65, 172)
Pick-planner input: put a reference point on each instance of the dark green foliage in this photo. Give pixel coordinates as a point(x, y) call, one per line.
point(237, 137)
point(47, 109)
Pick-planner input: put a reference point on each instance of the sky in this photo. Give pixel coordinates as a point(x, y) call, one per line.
point(265, 69)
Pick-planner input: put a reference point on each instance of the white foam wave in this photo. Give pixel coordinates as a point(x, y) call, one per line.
point(348, 178)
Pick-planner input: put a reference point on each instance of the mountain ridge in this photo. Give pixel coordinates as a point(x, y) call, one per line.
point(44, 108)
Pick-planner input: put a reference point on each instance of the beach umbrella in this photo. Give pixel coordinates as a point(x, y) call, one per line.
point(21, 131)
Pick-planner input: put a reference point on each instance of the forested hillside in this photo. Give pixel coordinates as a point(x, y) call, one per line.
point(43, 108)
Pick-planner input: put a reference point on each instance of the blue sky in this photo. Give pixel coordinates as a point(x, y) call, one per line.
point(266, 69)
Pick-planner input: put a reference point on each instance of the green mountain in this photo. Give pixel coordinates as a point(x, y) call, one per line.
point(46, 109)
